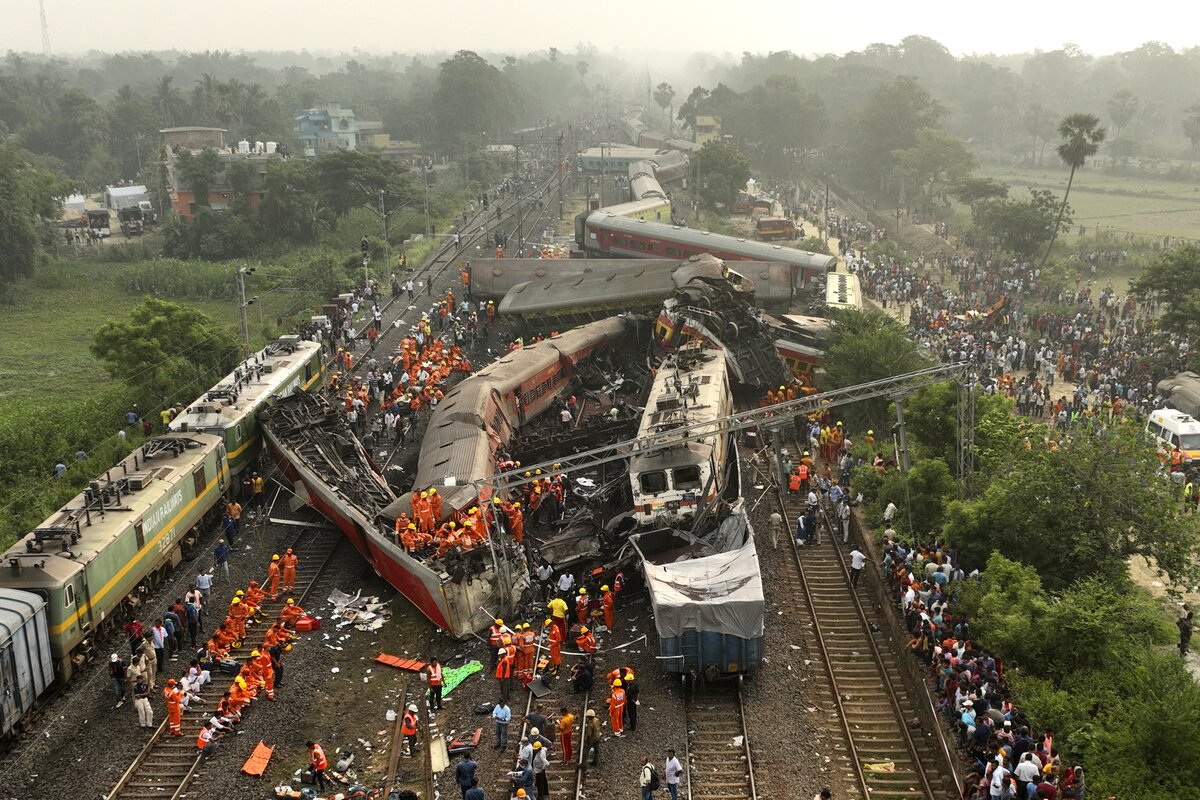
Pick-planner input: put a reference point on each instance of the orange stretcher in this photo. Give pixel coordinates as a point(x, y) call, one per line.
point(400, 663)
point(256, 764)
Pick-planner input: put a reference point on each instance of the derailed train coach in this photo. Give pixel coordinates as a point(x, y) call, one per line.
point(26, 665)
point(709, 610)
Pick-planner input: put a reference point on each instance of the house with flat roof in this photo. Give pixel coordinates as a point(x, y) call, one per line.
point(326, 128)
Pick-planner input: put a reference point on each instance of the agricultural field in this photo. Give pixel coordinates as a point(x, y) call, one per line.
point(1147, 206)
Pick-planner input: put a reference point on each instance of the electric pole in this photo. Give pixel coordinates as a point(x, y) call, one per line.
point(383, 224)
point(559, 165)
point(243, 303)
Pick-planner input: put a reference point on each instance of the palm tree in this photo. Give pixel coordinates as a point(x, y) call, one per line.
point(167, 100)
point(1081, 137)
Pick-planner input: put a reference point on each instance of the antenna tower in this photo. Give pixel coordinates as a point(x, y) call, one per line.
point(45, 28)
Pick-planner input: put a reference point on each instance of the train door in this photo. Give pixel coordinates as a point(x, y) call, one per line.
point(10, 688)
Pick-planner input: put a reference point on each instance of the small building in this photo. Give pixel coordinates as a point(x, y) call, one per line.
point(707, 129)
point(221, 194)
point(326, 128)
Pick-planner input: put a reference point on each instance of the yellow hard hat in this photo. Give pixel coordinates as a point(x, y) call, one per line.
point(604, 588)
point(629, 675)
point(781, 388)
point(473, 510)
point(870, 433)
point(516, 505)
point(617, 682)
point(583, 591)
point(521, 793)
point(235, 601)
point(537, 472)
point(424, 494)
point(287, 649)
point(255, 654)
point(547, 622)
point(806, 453)
point(290, 601)
point(412, 526)
point(275, 557)
point(537, 745)
point(239, 593)
point(499, 621)
point(583, 629)
point(432, 490)
point(518, 463)
point(453, 525)
point(556, 465)
point(528, 474)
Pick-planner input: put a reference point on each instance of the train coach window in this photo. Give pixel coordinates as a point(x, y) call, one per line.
point(140, 533)
point(686, 477)
point(674, 252)
point(653, 482)
point(200, 480)
point(69, 596)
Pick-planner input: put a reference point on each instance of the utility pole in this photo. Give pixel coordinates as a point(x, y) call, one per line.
point(425, 181)
point(383, 224)
point(558, 164)
point(243, 303)
point(825, 223)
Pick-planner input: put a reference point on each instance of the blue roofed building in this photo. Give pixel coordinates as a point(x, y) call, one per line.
point(326, 128)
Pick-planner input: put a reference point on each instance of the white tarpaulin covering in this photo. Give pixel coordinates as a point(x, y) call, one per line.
point(720, 594)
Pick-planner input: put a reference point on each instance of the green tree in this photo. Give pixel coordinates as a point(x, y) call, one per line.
point(1191, 127)
point(200, 172)
point(720, 171)
point(890, 121)
point(1039, 123)
point(865, 346)
point(972, 190)
point(1079, 511)
point(1122, 107)
point(31, 196)
point(1021, 226)
point(778, 116)
point(349, 179)
point(210, 236)
point(664, 95)
point(165, 349)
point(1081, 137)
point(935, 158)
point(472, 98)
point(1173, 279)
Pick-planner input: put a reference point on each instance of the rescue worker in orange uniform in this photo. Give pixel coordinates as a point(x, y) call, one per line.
point(290, 613)
point(435, 684)
point(435, 504)
point(273, 576)
point(267, 672)
point(581, 606)
point(423, 511)
point(554, 638)
point(616, 708)
point(496, 638)
point(516, 522)
point(289, 563)
point(607, 600)
point(254, 595)
point(237, 618)
point(506, 657)
point(528, 651)
point(585, 641)
point(174, 699)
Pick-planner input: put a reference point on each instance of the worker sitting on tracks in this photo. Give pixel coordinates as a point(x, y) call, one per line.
point(239, 694)
point(288, 563)
point(616, 708)
point(585, 641)
point(408, 536)
point(254, 596)
point(554, 640)
point(266, 672)
point(224, 636)
point(229, 710)
point(581, 606)
point(290, 613)
point(273, 576)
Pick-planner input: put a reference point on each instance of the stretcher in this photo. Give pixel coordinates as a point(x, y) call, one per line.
point(256, 764)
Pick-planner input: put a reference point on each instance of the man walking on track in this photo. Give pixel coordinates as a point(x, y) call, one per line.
point(435, 685)
point(566, 724)
point(289, 562)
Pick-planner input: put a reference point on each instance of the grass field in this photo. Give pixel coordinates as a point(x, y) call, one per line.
point(46, 329)
point(1146, 206)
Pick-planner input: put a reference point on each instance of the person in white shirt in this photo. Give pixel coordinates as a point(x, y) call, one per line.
point(857, 561)
point(671, 772)
point(566, 582)
point(889, 513)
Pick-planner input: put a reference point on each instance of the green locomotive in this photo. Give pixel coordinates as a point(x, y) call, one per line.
point(94, 558)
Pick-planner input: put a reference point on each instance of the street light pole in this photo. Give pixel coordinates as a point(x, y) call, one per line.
point(425, 181)
point(241, 274)
point(383, 224)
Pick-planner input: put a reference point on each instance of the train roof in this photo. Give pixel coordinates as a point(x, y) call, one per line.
point(619, 152)
point(16, 608)
point(152, 471)
point(647, 203)
point(841, 290)
point(757, 251)
point(244, 388)
point(720, 593)
point(641, 281)
point(691, 386)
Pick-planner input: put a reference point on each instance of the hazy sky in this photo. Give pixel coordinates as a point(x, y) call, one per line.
point(520, 25)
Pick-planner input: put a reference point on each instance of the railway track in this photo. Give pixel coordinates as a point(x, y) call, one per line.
point(880, 758)
point(168, 764)
point(720, 765)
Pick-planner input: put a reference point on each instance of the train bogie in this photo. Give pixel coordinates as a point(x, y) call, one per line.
point(26, 665)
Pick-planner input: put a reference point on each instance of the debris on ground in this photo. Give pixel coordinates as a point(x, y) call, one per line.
point(364, 613)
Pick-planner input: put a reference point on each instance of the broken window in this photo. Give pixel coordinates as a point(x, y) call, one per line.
point(687, 477)
point(653, 482)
